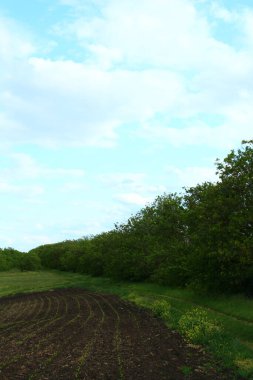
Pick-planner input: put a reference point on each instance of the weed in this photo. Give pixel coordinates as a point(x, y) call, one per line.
point(186, 370)
point(246, 366)
point(162, 309)
point(197, 327)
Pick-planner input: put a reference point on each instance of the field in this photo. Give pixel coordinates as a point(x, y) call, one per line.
point(87, 332)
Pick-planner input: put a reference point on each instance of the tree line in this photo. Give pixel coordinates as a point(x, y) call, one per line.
point(12, 259)
point(201, 239)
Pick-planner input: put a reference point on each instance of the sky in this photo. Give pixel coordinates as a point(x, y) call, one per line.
point(106, 104)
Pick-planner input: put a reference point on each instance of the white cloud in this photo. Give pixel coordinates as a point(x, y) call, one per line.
point(25, 190)
point(105, 57)
point(174, 40)
point(34, 240)
point(134, 199)
point(191, 176)
point(131, 189)
point(63, 102)
point(223, 13)
point(53, 108)
point(24, 177)
point(25, 167)
point(131, 183)
point(225, 136)
point(73, 186)
point(123, 180)
point(247, 27)
point(170, 64)
point(15, 43)
point(164, 34)
point(6, 241)
point(154, 33)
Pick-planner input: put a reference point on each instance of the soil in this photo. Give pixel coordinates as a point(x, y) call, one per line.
point(75, 334)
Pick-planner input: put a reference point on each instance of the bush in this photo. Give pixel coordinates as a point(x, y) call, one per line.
point(29, 262)
point(162, 309)
point(4, 263)
point(197, 327)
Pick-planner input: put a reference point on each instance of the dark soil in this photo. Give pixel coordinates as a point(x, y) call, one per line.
point(75, 334)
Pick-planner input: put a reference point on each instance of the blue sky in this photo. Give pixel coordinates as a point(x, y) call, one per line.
point(105, 104)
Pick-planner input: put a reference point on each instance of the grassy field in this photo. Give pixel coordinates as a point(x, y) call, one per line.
point(234, 313)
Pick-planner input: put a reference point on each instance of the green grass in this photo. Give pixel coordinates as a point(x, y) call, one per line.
point(234, 313)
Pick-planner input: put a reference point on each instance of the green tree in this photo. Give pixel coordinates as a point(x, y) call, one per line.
point(219, 220)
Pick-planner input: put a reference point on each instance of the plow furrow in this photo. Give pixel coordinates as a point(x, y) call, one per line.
point(73, 334)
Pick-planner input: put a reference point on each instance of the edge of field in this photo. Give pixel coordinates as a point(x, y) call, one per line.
point(234, 313)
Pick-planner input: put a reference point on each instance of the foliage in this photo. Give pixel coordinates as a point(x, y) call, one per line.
point(197, 327)
point(13, 259)
point(186, 370)
point(162, 309)
point(29, 262)
point(220, 226)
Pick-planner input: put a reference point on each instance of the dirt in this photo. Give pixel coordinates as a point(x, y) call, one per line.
point(75, 334)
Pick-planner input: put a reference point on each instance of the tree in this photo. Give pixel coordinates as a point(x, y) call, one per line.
point(219, 219)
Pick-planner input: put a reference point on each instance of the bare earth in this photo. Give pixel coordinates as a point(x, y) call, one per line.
point(75, 334)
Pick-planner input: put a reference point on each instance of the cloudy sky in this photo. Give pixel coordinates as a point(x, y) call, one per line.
point(105, 104)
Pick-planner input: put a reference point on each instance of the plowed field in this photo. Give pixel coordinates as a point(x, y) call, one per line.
point(75, 334)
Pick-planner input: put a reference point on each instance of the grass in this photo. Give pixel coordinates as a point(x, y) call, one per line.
point(233, 313)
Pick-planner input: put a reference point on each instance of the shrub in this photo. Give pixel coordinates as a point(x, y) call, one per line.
point(162, 309)
point(29, 262)
point(197, 327)
point(4, 264)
